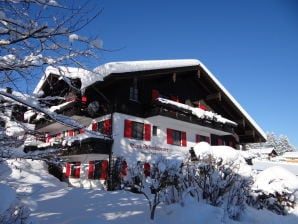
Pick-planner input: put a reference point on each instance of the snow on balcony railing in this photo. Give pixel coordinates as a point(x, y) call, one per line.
point(198, 112)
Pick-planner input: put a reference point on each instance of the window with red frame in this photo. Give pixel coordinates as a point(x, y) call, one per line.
point(73, 169)
point(137, 130)
point(175, 137)
point(98, 169)
point(104, 127)
point(202, 138)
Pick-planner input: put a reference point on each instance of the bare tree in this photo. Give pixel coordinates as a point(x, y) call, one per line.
point(38, 33)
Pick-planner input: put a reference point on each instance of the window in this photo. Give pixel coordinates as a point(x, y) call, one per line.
point(202, 138)
point(154, 130)
point(104, 127)
point(73, 170)
point(175, 137)
point(133, 91)
point(98, 169)
point(137, 130)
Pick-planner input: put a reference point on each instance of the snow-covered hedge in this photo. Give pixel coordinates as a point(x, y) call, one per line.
point(275, 189)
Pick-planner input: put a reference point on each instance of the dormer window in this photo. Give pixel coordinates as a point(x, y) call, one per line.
point(133, 91)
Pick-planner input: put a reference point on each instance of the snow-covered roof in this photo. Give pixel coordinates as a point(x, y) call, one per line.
point(99, 73)
point(261, 150)
point(290, 155)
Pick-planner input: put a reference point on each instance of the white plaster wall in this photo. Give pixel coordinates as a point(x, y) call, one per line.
point(138, 150)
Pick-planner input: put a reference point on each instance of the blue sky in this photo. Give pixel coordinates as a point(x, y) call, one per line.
point(250, 46)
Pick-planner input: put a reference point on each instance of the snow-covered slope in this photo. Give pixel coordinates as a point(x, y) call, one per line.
point(50, 201)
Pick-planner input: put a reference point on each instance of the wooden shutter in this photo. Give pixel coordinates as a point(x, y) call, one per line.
point(208, 139)
point(147, 169)
point(183, 136)
point(154, 94)
point(94, 126)
point(77, 170)
point(147, 135)
point(169, 136)
point(91, 170)
point(219, 141)
point(198, 138)
point(127, 128)
point(82, 131)
point(107, 127)
point(104, 170)
point(124, 169)
point(67, 171)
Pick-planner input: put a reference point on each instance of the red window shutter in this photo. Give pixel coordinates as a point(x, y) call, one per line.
point(48, 139)
point(67, 171)
point(104, 170)
point(169, 136)
point(147, 169)
point(77, 170)
point(94, 126)
point(108, 127)
point(219, 141)
point(124, 169)
point(208, 139)
point(197, 138)
point(71, 133)
point(82, 131)
point(230, 143)
point(154, 94)
point(84, 99)
point(58, 135)
point(147, 135)
point(127, 128)
point(91, 170)
point(183, 136)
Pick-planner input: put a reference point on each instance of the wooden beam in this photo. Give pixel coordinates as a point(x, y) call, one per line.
point(215, 96)
point(241, 122)
point(250, 132)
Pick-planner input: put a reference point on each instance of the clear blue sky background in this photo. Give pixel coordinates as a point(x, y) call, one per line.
point(250, 46)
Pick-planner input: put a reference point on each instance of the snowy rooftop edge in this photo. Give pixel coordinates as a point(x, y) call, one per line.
point(100, 72)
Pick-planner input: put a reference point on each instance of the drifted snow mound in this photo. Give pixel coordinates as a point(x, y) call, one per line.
point(276, 179)
point(275, 189)
point(227, 154)
point(11, 210)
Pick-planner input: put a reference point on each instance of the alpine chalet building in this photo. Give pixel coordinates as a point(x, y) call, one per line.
point(136, 110)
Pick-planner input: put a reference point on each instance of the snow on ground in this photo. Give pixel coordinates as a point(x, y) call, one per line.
point(51, 201)
point(264, 164)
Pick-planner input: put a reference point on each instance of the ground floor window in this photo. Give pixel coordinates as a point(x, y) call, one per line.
point(98, 170)
point(73, 169)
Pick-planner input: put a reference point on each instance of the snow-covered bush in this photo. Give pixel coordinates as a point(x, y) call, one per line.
point(159, 182)
point(221, 173)
point(275, 189)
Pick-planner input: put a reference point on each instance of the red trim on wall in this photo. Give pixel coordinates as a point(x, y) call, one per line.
point(127, 128)
point(169, 136)
point(183, 136)
point(147, 135)
point(91, 170)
